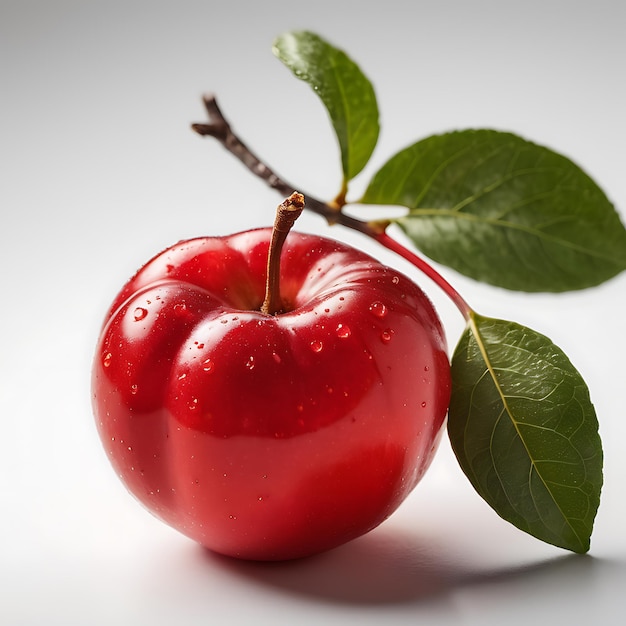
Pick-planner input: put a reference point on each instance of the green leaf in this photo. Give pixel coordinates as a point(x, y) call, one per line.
point(504, 211)
point(525, 432)
point(345, 91)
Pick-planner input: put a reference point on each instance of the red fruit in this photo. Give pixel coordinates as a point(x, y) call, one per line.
point(270, 436)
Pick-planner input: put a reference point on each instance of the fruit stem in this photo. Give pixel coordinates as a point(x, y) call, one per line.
point(286, 215)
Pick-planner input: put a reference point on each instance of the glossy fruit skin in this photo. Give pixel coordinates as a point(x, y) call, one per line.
point(270, 437)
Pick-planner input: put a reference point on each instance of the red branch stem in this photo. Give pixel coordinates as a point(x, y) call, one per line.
point(392, 244)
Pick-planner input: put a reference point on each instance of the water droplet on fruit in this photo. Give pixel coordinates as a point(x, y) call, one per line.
point(386, 335)
point(180, 307)
point(395, 280)
point(133, 389)
point(343, 331)
point(208, 365)
point(276, 357)
point(250, 363)
point(140, 313)
point(423, 405)
point(425, 368)
point(106, 361)
point(199, 345)
point(378, 309)
point(193, 405)
point(317, 345)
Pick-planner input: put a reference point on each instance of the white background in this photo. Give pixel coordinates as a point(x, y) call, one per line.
point(99, 171)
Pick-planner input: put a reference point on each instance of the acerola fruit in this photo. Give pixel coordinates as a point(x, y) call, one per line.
point(270, 436)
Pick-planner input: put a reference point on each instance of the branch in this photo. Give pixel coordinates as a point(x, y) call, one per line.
point(220, 129)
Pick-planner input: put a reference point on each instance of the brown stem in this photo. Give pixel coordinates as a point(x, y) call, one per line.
point(286, 215)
